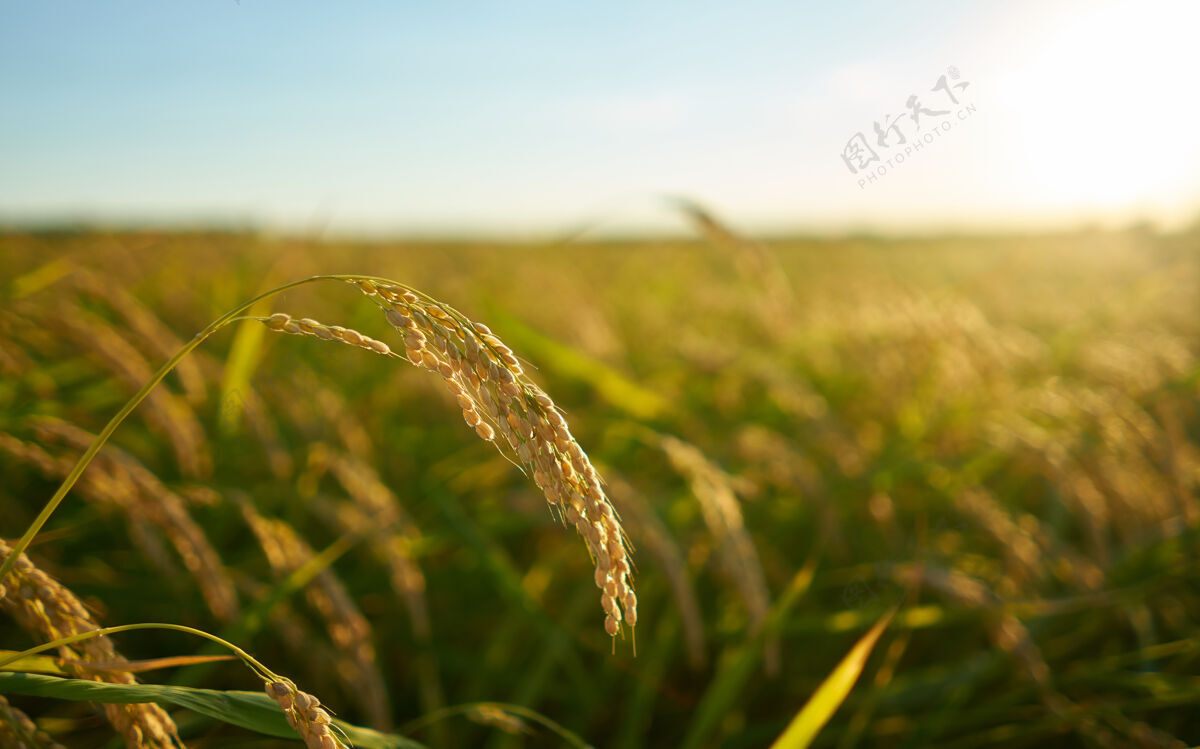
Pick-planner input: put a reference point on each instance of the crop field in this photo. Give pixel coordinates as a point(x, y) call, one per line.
point(713, 492)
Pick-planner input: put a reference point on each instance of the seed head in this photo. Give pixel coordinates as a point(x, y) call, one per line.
point(490, 387)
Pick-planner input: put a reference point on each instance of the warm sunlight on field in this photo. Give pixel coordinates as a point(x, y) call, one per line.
point(998, 436)
point(1096, 107)
point(623, 375)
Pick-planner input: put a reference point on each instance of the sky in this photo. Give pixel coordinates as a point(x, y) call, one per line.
point(549, 118)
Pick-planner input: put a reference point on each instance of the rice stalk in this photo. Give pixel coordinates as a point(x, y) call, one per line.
point(1022, 553)
point(486, 377)
point(45, 608)
point(660, 544)
point(293, 630)
point(264, 428)
point(18, 731)
point(143, 322)
point(118, 479)
point(168, 414)
point(497, 398)
point(302, 711)
point(723, 516)
point(331, 407)
point(390, 532)
point(754, 261)
point(375, 514)
point(142, 393)
point(305, 714)
point(284, 323)
point(1009, 634)
point(14, 362)
point(348, 629)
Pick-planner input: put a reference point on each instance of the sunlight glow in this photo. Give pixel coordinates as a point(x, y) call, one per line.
point(1103, 109)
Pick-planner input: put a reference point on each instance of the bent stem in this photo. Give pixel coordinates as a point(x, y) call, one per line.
point(258, 668)
point(36, 526)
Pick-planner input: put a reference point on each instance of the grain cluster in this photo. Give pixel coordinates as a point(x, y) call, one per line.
point(502, 405)
point(45, 608)
point(500, 402)
point(305, 714)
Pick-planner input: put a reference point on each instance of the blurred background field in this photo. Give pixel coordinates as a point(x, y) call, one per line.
point(866, 312)
point(998, 433)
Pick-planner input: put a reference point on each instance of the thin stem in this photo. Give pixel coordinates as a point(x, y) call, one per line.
point(133, 402)
point(260, 670)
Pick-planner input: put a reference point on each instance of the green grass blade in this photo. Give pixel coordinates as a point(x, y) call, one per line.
point(740, 662)
point(45, 664)
point(84, 460)
point(251, 710)
point(243, 358)
point(832, 692)
point(39, 278)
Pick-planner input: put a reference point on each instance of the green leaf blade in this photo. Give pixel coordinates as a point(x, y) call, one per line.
point(833, 691)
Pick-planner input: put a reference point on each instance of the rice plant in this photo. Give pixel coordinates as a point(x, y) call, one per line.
point(934, 493)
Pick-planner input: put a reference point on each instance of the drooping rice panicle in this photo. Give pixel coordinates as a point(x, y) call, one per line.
point(376, 513)
point(349, 630)
point(167, 413)
point(497, 398)
point(18, 731)
point(118, 479)
point(723, 516)
point(658, 541)
point(46, 609)
point(305, 714)
point(147, 325)
point(285, 323)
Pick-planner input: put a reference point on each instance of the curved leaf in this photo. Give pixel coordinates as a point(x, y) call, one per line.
point(832, 692)
point(251, 710)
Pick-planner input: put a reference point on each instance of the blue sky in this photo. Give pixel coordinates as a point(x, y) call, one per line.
point(541, 117)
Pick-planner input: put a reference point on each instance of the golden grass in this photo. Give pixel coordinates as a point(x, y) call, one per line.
point(305, 714)
point(47, 609)
point(18, 731)
point(348, 629)
point(1001, 434)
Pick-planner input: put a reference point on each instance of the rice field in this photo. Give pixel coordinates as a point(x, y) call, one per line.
point(637, 493)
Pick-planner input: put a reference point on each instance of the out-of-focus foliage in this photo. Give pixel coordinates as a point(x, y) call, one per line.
point(1000, 435)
